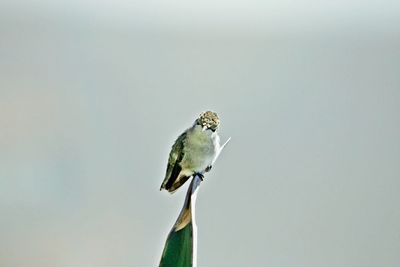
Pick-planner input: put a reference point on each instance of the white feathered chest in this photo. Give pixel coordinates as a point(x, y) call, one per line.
point(200, 149)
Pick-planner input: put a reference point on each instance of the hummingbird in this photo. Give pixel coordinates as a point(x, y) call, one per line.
point(194, 152)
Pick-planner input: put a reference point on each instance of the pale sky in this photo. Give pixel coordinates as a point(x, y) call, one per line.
point(270, 15)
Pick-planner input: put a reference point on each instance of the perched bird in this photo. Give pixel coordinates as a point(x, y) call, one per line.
point(194, 152)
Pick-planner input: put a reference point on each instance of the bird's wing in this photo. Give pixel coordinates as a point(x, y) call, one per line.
point(174, 167)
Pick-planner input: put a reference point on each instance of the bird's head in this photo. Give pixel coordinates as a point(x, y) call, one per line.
point(208, 121)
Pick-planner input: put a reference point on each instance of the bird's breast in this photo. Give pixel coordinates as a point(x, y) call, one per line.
point(199, 150)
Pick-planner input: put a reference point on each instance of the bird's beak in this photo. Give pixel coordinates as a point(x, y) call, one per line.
point(204, 128)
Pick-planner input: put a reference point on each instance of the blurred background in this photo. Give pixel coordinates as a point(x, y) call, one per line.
point(94, 93)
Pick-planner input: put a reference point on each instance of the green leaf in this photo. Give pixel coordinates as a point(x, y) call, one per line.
point(178, 250)
point(180, 247)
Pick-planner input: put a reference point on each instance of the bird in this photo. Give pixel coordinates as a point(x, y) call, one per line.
point(193, 152)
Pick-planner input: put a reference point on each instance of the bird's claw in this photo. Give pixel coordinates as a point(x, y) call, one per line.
point(200, 175)
point(208, 168)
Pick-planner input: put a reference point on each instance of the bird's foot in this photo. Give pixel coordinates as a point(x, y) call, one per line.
point(208, 168)
point(201, 176)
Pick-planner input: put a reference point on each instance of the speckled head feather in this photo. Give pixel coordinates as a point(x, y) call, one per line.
point(209, 119)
